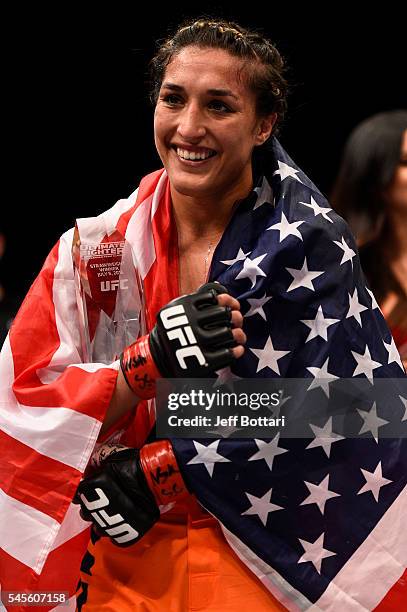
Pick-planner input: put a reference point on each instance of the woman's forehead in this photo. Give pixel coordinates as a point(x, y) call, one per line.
point(211, 68)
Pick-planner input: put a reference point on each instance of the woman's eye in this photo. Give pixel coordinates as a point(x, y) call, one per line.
point(217, 105)
point(171, 99)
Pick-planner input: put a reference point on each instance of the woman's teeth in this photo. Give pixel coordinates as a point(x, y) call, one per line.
point(193, 156)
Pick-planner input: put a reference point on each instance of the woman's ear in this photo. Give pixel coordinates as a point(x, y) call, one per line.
point(265, 128)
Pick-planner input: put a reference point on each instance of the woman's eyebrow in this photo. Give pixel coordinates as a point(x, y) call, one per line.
point(211, 92)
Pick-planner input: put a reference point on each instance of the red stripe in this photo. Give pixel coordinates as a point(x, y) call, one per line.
point(162, 283)
point(39, 310)
point(60, 573)
point(396, 598)
point(85, 392)
point(36, 480)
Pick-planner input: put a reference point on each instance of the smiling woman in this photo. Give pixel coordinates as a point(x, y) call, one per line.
point(218, 95)
point(219, 525)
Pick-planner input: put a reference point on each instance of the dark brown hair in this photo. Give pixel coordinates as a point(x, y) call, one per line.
point(265, 77)
point(370, 159)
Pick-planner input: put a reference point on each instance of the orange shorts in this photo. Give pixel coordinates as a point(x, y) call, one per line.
point(183, 564)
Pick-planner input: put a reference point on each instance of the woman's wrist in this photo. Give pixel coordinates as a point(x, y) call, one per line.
point(139, 369)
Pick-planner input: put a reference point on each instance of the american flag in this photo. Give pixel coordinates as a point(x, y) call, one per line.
point(319, 521)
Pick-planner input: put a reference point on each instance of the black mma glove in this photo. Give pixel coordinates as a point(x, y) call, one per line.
point(191, 339)
point(122, 497)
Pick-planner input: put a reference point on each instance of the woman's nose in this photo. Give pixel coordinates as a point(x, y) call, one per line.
point(191, 124)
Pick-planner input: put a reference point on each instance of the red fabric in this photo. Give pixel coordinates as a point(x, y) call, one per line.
point(396, 598)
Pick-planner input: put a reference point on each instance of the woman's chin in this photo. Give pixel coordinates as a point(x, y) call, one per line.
point(191, 186)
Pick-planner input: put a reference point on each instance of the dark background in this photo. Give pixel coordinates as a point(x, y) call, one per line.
point(80, 123)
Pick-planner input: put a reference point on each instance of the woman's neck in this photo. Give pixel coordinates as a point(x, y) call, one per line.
point(206, 216)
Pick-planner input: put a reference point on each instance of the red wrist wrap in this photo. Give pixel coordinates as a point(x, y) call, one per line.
point(139, 369)
point(162, 473)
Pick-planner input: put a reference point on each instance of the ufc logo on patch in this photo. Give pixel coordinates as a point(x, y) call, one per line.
point(120, 532)
point(177, 325)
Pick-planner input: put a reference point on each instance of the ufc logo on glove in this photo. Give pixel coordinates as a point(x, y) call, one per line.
point(121, 532)
point(175, 319)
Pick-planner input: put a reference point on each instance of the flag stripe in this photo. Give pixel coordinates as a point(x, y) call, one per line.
point(26, 533)
point(376, 565)
point(47, 494)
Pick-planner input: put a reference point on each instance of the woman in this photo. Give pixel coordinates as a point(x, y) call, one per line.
point(224, 209)
point(371, 193)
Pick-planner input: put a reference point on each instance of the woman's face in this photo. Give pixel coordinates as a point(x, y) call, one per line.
point(205, 123)
point(396, 192)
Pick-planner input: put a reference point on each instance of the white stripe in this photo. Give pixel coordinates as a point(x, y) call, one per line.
point(139, 231)
point(159, 192)
point(66, 314)
point(71, 526)
point(25, 533)
point(286, 594)
point(140, 236)
point(374, 568)
point(95, 367)
point(59, 433)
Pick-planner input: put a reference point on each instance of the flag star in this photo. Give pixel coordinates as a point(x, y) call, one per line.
point(315, 552)
point(208, 455)
point(268, 356)
point(261, 506)
point(256, 306)
point(324, 437)
point(374, 481)
point(286, 171)
point(267, 451)
point(318, 210)
point(348, 253)
point(303, 277)
point(355, 307)
point(371, 422)
point(241, 255)
point(226, 377)
point(404, 402)
point(264, 194)
point(322, 377)
point(394, 355)
point(251, 269)
point(319, 493)
point(374, 303)
point(319, 325)
point(365, 364)
point(286, 228)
